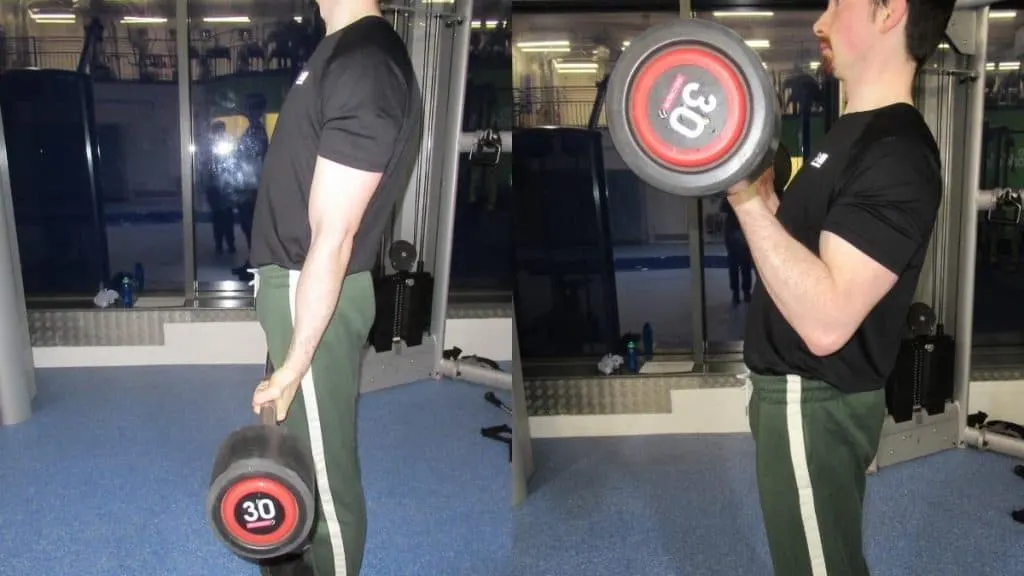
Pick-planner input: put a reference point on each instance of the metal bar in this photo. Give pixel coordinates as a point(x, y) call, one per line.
point(969, 4)
point(188, 229)
point(698, 302)
point(450, 174)
point(969, 229)
point(468, 140)
point(986, 440)
point(17, 373)
point(476, 374)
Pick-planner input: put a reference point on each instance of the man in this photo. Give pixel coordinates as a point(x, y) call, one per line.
point(838, 264)
point(343, 151)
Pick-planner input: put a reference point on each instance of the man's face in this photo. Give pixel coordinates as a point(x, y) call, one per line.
point(846, 31)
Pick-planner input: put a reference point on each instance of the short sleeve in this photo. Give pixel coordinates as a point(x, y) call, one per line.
point(887, 206)
point(363, 107)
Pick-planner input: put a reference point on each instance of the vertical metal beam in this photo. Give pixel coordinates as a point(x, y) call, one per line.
point(449, 150)
point(969, 226)
point(695, 236)
point(410, 214)
point(17, 374)
point(188, 229)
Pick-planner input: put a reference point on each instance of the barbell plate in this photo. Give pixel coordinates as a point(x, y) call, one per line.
point(260, 512)
point(691, 109)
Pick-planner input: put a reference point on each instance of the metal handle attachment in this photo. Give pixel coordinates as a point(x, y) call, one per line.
point(268, 414)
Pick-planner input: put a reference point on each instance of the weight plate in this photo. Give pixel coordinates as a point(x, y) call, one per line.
point(259, 512)
point(402, 255)
point(707, 126)
point(660, 113)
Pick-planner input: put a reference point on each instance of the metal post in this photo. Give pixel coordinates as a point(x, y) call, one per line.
point(17, 374)
point(522, 450)
point(969, 227)
point(411, 214)
point(188, 229)
point(449, 150)
point(695, 238)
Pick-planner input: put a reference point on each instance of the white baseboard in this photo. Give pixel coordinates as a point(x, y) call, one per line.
point(722, 411)
point(243, 343)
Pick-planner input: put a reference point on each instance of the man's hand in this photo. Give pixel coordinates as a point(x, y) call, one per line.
point(762, 187)
point(280, 389)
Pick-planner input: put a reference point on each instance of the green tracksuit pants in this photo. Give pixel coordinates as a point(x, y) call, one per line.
point(814, 445)
point(323, 415)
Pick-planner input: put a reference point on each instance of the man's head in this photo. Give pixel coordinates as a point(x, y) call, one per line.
point(859, 37)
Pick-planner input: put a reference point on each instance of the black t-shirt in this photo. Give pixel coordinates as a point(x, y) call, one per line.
point(876, 183)
point(357, 102)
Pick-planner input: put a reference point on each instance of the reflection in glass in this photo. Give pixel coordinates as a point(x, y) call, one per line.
point(481, 247)
point(108, 204)
point(786, 44)
point(242, 64)
point(559, 61)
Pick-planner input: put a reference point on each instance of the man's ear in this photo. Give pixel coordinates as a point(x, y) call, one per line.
point(891, 14)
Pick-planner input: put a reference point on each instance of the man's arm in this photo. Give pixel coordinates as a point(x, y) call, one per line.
point(364, 108)
point(334, 219)
point(870, 234)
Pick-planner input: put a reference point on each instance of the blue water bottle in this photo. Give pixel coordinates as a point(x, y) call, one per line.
point(140, 277)
point(631, 359)
point(127, 292)
point(648, 341)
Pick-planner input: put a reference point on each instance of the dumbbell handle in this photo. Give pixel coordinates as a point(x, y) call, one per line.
point(268, 414)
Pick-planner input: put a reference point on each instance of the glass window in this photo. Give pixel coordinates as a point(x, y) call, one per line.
point(786, 43)
point(90, 104)
point(999, 280)
point(243, 60)
point(481, 248)
point(599, 253)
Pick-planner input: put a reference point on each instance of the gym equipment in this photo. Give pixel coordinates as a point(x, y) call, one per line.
point(503, 432)
point(691, 108)
point(403, 300)
point(261, 499)
point(565, 283)
point(923, 376)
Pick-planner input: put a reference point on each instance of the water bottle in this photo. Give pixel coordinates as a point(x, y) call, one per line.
point(631, 359)
point(140, 278)
point(648, 341)
point(127, 292)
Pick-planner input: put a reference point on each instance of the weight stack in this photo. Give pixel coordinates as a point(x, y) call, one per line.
point(404, 302)
point(923, 377)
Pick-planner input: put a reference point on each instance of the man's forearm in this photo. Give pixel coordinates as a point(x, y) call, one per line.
point(316, 299)
point(797, 280)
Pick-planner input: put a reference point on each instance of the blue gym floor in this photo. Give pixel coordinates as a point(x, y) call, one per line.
point(688, 506)
point(109, 476)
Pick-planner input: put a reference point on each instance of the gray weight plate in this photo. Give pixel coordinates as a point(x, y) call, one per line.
point(691, 109)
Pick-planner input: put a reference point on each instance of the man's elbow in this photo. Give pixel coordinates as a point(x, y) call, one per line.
point(336, 239)
point(824, 341)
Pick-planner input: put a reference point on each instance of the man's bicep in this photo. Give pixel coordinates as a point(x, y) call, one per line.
point(338, 198)
point(363, 108)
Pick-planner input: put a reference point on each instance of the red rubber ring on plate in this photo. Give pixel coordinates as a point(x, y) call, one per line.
point(735, 99)
point(243, 488)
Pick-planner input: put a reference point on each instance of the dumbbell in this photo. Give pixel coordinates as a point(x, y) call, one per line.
point(260, 502)
point(691, 109)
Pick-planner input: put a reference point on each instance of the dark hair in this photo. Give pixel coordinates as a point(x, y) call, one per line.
point(926, 26)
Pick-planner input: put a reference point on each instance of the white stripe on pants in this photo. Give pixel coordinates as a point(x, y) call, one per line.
point(798, 455)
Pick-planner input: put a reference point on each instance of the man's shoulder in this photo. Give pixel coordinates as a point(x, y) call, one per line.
point(896, 139)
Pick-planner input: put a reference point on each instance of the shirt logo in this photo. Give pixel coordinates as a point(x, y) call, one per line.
point(302, 77)
point(819, 160)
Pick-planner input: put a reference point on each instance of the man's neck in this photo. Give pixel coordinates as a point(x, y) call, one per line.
point(874, 90)
point(345, 13)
